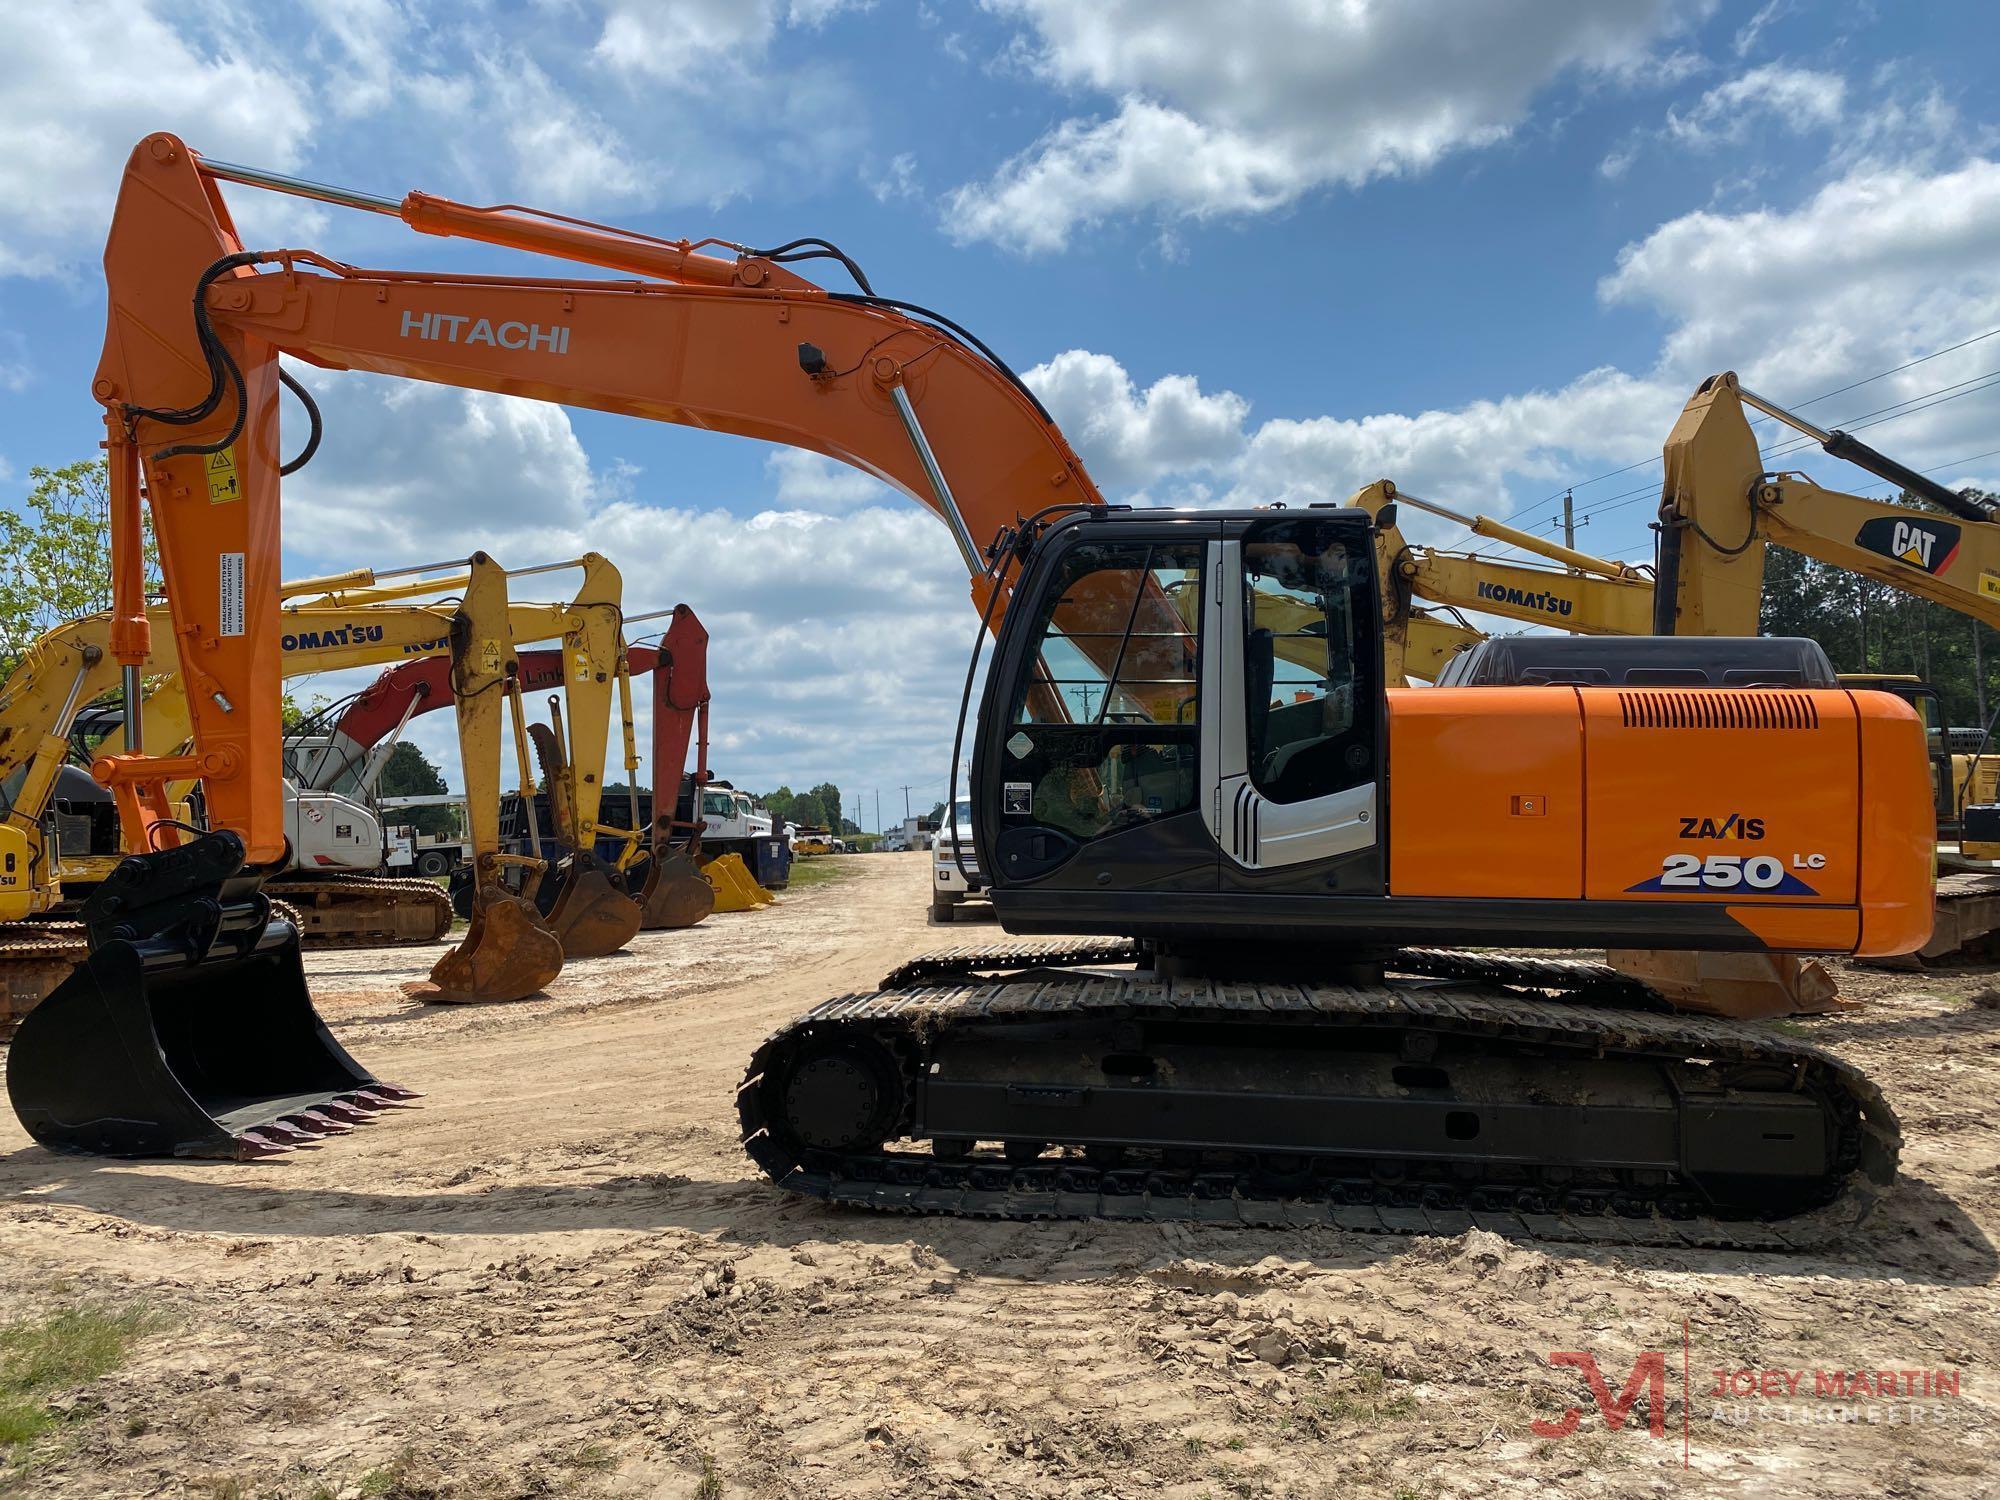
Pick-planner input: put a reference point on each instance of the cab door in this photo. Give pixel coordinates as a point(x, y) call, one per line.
point(1091, 739)
point(1293, 707)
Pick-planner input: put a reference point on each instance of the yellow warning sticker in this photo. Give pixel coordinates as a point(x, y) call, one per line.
point(1989, 585)
point(489, 656)
point(222, 485)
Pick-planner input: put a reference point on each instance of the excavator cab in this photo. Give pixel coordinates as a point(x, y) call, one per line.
point(188, 1031)
point(1169, 693)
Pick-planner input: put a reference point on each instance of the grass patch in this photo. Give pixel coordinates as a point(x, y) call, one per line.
point(709, 1487)
point(819, 869)
point(1365, 1398)
point(589, 1456)
point(42, 1357)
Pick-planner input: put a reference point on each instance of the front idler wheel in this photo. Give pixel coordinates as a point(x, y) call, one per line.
point(843, 1098)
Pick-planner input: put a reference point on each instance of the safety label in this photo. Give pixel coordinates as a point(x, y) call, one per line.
point(230, 598)
point(222, 485)
point(1989, 585)
point(489, 657)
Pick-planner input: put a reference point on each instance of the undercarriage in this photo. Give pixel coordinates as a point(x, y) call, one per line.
point(1542, 1098)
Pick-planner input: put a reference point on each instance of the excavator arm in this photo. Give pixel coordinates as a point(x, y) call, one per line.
point(1584, 594)
point(190, 383)
point(1721, 508)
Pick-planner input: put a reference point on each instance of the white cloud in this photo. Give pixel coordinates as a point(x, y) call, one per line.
point(1770, 11)
point(689, 41)
point(807, 481)
point(1798, 99)
point(897, 180)
point(406, 469)
point(562, 152)
point(84, 83)
point(17, 368)
point(1130, 438)
point(1243, 108)
point(1869, 265)
point(839, 614)
point(1465, 456)
point(1876, 268)
point(481, 103)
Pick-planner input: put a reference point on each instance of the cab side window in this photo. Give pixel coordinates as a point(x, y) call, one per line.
point(1310, 689)
point(1105, 725)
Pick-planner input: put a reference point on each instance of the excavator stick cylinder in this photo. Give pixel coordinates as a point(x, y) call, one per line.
point(675, 893)
point(507, 953)
point(188, 1030)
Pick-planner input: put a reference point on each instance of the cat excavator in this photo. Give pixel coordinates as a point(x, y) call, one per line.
point(1255, 1025)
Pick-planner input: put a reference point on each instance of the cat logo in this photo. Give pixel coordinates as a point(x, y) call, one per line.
point(1920, 543)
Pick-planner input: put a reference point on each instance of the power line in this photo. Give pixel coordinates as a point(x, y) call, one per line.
point(1876, 418)
point(1797, 406)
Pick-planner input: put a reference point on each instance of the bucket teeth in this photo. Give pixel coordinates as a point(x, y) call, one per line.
point(374, 1098)
point(256, 1142)
point(317, 1122)
point(340, 1109)
point(290, 1134)
point(393, 1092)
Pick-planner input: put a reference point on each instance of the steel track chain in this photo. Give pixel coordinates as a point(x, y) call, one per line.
point(918, 1182)
point(1603, 984)
point(290, 893)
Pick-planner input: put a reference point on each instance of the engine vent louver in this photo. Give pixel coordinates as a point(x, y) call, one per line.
point(1737, 708)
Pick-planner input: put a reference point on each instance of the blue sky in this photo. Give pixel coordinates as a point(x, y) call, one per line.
point(1265, 250)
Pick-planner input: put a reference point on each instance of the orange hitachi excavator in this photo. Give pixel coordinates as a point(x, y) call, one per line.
point(1258, 839)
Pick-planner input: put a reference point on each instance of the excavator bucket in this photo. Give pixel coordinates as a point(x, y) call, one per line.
point(590, 915)
point(507, 953)
point(735, 889)
point(1743, 986)
point(675, 893)
point(188, 1031)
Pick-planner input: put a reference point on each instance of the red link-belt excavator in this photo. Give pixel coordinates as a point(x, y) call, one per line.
point(1256, 839)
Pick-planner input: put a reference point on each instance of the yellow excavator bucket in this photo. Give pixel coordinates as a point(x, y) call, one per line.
point(590, 916)
point(735, 890)
point(1741, 986)
point(674, 893)
point(507, 953)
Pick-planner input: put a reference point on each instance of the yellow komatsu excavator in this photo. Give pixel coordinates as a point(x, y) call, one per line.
point(348, 620)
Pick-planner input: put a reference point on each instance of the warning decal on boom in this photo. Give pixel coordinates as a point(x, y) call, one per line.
point(222, 484)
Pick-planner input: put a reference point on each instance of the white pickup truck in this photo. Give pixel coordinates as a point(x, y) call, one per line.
point(951, 849)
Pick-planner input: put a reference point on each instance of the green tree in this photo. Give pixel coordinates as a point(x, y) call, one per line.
point(55, 555)
point(409, 773)
point(1866, 626)
point(832, 807)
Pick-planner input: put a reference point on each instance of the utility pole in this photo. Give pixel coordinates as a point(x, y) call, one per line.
point(906, 804)
point(1569, 534)
point(878, 809)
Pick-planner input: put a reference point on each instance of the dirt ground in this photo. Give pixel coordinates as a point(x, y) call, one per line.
point(560, 1276)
